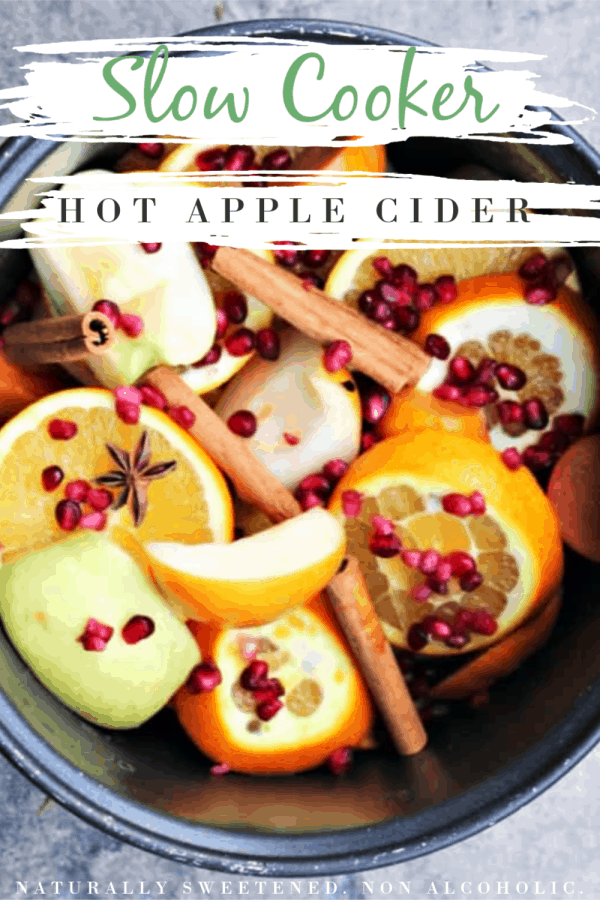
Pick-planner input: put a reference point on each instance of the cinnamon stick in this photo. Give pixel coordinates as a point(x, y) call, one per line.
point(231, 453)
point(353, 607)
point(59, 339)
point(390, 359)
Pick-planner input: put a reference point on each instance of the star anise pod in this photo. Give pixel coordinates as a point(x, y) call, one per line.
point(133, 476)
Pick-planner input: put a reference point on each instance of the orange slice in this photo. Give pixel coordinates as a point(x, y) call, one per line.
point(514, 544)
point(190, 503)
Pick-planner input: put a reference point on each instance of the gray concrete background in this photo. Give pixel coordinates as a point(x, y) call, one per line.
point(553, 839)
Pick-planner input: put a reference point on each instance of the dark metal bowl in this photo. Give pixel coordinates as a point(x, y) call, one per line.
point(150, 786)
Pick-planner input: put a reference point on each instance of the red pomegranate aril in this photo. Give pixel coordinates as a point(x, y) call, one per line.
point(335, 469)
point(269, 708)
point(375, 404)
point(510, 412)
point(351, 503)
point(382, 266)
point(457, 505)
point(437, 585)
point(379, 311)
point(292, 439)
point(366, 301)
point(479, 396)
point(470, 581)
point(512, 458)
point(220, 769)
point(437, 346)
point(477, 501)
point(421, 593)
point(52, 477)
point(213, 356)
point(308, 499)
point(445, 288)
point(540, 293)
point(62, 430)
point(77, 490)
point(411, 558)
point(99, 498)
point(457, 641)
point(383, 525)
point(222, 323)
point(337, 355)
point(394, 295)
point(430, 560)
point(241, 342)
point(68, 514)
point(268, 344)
point(405, 276)
point(311, 280)
point(238, 158)
point(243, 423)
point(339, 761)
point(571, 424)
point(137, 629)
point(485, 371)
point(416, 638)
point(407, 319)
point(534, 267)
point(152, 247)
point(211, 160)
point(315, 258)
point(108, 309)
point(95, 636)
point(444, 570)
point(461, 370)
point(182, 415)
point(436, 628)
point(554, 441)
point(460, 562)
point(11, 312)
point(483, 623)
point(536, 416)
point(277, 159)
point(95, 521)
point(317, 483)
point(537, 459)
point(425, 297)
point(511, 378)
point(206, 251)
point(368, 440)
point(287, 257)
point(254, 676)
point(131, 325)
point(274, 686)
point(127, 404)
point(462, 620)
point(235, 307)
point(385, 545)
point(204, 678)
point(152, 149)
point(151, 396)
point(447, 392)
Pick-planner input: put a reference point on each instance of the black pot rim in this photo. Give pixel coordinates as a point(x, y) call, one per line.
point(260, 854)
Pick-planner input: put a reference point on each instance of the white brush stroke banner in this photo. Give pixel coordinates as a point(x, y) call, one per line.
point(332, 211)
point(281, 94)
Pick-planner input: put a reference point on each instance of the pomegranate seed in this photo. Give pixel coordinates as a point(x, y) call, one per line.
point(68, 514)
point(416, 638)
point(437, 346)
point(394, 295)
point(182, 415)
point(411, 558)
point(445, 289)
point(315, 258)
point(444, 570)
point(254, 676)
point(220, 769)
point(485, 371)
point(127, 405)
point(287, 257)
point(273, 686)
point(211, 160)
point(52, 477)
point(407, 319)
point(137, 629)
point(99, 498)
point(213, 356)
point(268, 344)
point(463, 619)
point(243, 423)
point(477, 503)
point(108, 309)
point(533, 267)
point(554, 441)
point(238, 158)
point(368, 440)
point(405, 276)
point(131, 325)
point(512, 458)
point(222, 323)
point(383, 525)
point(510, 412)
point(317, 483)
point(96, 635)
point(511, 378)
point(339, 761)
point(335, 469)
point(235, 307)
point(241, 342)
point(351, 503)
point(457, 505)
point(95, 521)
point(151, 396)
point(571, 424)
point(540, 293)
point(425, 297)
point(437, 585)
point(77, 490)
point(308, 499)
point(277, 159)
point(382, 266)
point(206, 251)
point(461, 370)
point(483, 622)
point(536, 416)
point(470, 581)
point(447, 392)
point(457, 641)
point(292, 439)
point(62, 430)
point(337, 355)
point(461, 562)
point(375, 403)
point(430, 560)
point(153, 150)
point(537, 459)
point(436, 628)
point(152, 247)
point(269, 708)
point(366, 301)
point(479, 396)
point(311, 280)
point(379, 311)
point(204, 678)
point(385, 545)
point(421, 593)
